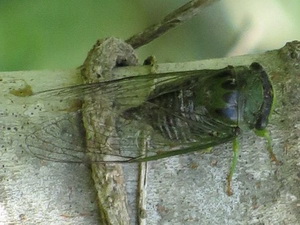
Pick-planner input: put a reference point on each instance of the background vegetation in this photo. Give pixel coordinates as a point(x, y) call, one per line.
point(43, 34)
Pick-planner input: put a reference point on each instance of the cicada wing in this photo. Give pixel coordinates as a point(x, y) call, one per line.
point(58, 138)
point(125, 92)
point(157, 143)
point(63, 137)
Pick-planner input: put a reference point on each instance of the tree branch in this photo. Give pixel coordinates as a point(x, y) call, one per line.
point(172, 20)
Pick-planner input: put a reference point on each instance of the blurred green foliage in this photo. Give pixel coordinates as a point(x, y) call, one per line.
point(43, 34)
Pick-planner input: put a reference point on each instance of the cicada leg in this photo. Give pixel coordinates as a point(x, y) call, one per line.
point(151, 61)
point(236, 148)
point(266, 135)
point(142, 182)
point(208, 150)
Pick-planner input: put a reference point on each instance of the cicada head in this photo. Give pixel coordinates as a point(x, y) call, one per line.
point(239, 96)
point(255, 97)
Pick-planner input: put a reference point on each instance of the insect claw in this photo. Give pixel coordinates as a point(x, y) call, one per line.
point(272, 155)
point(274, 159)
point(151, 61)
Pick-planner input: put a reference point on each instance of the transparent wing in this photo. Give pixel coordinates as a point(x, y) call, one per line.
point(128, 91)
point(64, 137)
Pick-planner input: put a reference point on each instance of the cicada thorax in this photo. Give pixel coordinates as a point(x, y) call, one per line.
point(238, 96)
point(219, 94)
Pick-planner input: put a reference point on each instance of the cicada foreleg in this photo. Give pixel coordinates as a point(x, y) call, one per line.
point(266, 135)
point(151, 61)
point(236, 147)
point(262, 133)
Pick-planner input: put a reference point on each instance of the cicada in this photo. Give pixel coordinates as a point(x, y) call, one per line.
point(180, 113)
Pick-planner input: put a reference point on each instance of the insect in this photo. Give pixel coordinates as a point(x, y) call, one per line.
point(179, 113)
